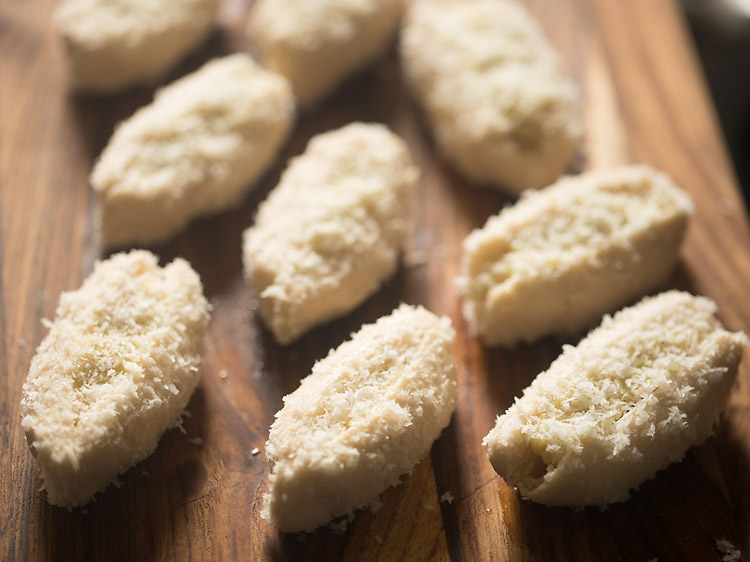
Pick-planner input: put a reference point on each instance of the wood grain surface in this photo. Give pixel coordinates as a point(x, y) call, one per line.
point(200, 499)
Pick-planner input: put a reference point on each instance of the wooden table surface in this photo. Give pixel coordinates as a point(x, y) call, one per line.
point(199, 499)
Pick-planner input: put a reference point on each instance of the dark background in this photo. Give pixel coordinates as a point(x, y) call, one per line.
point(721, 30)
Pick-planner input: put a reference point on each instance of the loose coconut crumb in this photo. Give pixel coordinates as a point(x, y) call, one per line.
point(196, 441)
point(416, 258)
point(374, 506)
point(178, 423)
point(255, 451)
point(428, 506)
point(447, 497)
point(339, 526)
point(223, 374)
point(730, 552)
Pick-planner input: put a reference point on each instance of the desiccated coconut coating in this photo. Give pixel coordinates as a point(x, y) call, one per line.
point(116, 369)
point(630, 399)
point(367, 414)
point(194, 151)
point(317, 44)
point(492, 91)
point(330, 233)
point(112, 45)
point(562, 257)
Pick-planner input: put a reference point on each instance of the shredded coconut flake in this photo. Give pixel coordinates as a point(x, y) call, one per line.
point(339, 526)
point(416, 258)
point(730, 552)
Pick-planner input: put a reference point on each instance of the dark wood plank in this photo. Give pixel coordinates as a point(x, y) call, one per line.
point(199, 496)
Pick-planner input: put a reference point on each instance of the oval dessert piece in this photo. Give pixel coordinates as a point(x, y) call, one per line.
point(317, 44)
point(112, 45)
point(367, 414)
point(630, 399)
point(194, 151)
point(492, 89)
point(116, 369)
point(330, 233)
point(562, 257)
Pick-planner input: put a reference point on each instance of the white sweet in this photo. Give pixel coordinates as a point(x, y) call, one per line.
point(630, 399)
point(195, 150)
point(331, 232)
point(367, 414)
point(317, 44)
point(492, 90)
point(112, 45)
point(560, 258)
point(117, 368)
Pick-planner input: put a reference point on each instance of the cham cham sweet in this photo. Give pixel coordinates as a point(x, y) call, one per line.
point(561, 257)
point(366, 415)
point(331, 232)
point(113, 45)
point(628, 400)
point(317, 44)
point(116, 369)
point(195, 150)
point(492, 90)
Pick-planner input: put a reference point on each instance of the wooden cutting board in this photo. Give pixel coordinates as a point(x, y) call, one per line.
point(199, 496)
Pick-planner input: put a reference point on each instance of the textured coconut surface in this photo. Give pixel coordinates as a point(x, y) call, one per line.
point(118, 366)
point(331, 232)
point(318, 44)
point(200, 494)
point(195, 150)
point(629, 399)
point(111, 46)
point(563, 256)
point(492, 89)
point(364, 417)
